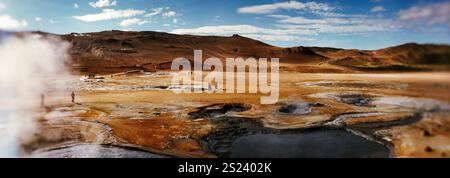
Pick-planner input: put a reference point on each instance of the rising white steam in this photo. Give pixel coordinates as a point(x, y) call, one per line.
point(26, 61)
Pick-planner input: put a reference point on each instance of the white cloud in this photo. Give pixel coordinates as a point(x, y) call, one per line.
point(284, 38)
point(169, 14)
point(377, 9)
point(155, 11)
point(265, 34)
point(431, 14)
point(303, 20)
point(9, 23)
point(144, 22)
point(318, 18)
point(37, 19)
point(103, 3)
point(349, 29)
point(133, 21)
point(333, 25)
point(76, 6)
point(52, 21)
point(240, 29)
point(296, 20)
point(109, 14)
point(165, 13)
point(290, 5)
point(128, 22)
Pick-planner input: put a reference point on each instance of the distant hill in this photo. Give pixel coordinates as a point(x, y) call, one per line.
point(119, 51)
point(408, 57)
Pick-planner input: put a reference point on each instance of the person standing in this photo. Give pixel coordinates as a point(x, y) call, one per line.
point(73, 96)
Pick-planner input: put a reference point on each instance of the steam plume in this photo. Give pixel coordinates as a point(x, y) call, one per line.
point(26, 61)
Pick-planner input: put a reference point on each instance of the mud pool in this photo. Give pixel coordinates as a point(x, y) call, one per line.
point(312, 144)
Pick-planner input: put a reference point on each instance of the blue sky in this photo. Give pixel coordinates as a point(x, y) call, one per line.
point(361, 24)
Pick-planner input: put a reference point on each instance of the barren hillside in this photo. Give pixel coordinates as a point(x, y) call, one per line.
point(119, 51)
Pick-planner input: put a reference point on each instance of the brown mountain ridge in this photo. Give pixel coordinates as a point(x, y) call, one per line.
point(119, 51)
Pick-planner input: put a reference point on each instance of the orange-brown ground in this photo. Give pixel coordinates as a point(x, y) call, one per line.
point(158, 120)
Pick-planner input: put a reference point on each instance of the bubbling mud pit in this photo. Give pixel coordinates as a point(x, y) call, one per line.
point(137, 116)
